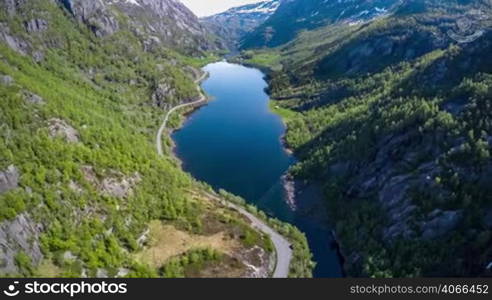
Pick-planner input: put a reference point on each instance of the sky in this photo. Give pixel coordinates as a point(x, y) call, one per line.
point(204, 8)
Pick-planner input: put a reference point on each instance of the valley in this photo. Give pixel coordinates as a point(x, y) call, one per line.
point(234, 144)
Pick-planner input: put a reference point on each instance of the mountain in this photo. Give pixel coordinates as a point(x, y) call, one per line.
point(232, 25)
point(391, 116)
point(294, 16)
point(83, 193)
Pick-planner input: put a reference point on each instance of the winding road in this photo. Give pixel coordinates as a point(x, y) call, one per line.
point(282, 245)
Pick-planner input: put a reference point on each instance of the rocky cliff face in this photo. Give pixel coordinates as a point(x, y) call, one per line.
point(9, 179)
point(233, 25)
point(94, 13)
point(20, 235)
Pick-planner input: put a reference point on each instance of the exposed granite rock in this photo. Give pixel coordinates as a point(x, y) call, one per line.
point(143, 238)
point(151, 43)
point(19, 234)
point(233, 24)
point(114, 185)
point(15, 43)
point(38, 56)
point(162, 95)
point(6, 80)
point(488, 219)
point(156, 22)
point(167, 21)
point(75, 187)
point(102, 273)
point(400, 227)
point(9, 179)
point(68, 256)
point(95, 14)
point(89, 174)
point(11, 6)
point(33, 98)
point(290, 191)
point(386, 180)
point(394, 191)
point(257, 262)
point(120, 188)
point(60, 128)
point(404, 165)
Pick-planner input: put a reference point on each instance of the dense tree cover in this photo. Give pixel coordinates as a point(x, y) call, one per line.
point(301, 265)
point(110, 140)
point(423, 116)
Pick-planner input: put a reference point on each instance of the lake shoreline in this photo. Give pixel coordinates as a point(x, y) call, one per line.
point(221, 138)
point(185, 115)
point(294, 187)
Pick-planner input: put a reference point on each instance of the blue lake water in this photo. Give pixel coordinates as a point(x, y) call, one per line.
point(234, 143)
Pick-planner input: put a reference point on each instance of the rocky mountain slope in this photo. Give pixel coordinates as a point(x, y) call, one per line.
point(232, 25)
point(84, 86)
point(393, 117)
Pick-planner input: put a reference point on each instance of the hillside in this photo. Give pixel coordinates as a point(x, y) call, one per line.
point(84, 87)
point(232, 25)
point(293, 17)
point(393, 117)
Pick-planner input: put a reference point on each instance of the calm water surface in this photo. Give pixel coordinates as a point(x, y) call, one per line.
point(234, 143)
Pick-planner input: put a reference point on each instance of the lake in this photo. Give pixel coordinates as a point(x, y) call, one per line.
point(234, 143)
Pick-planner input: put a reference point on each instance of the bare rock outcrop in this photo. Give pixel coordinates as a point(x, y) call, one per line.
point(17, 44)
point(162, 95)
point(166, 21)
point(9, 179)
point(441, 223)
point(114, 185)
point(33, 98)
point(12, 6)
point(36, 25)
point(59, 128)
point(120, 187)
point(257, 262)
point(385, 179)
